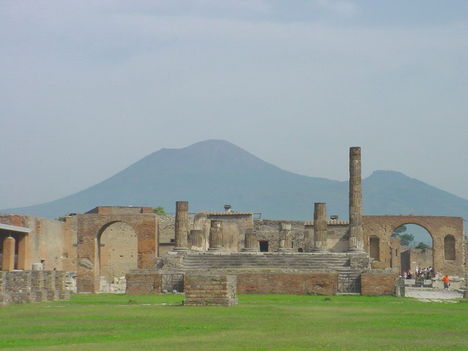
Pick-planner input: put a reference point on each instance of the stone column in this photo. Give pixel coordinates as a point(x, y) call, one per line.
point(8, 261)
point(181, 226)
point(196, 239)
point(355, 200)
point(285, 244)
point(216, 236)
point(24, 252)
point(250, 241)
point(320, 226)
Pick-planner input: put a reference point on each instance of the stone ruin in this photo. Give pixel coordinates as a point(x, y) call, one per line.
point(118, 249)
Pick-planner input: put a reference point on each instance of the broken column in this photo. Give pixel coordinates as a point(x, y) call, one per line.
point(216, 236)
point(250, 241)
point(355, 200)
point(320, 226)
point(8, 261)
point(196, 239)
point(285, 243)
point(181, 226)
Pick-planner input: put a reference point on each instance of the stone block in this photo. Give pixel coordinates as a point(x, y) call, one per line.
point(206, 290)
point(377, 283)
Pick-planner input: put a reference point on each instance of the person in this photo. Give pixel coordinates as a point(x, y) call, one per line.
point(446, 281)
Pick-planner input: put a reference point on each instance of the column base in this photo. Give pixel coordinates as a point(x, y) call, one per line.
point(180, 249)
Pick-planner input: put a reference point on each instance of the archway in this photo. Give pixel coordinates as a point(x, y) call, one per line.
point(117, 255)
point(416, 250)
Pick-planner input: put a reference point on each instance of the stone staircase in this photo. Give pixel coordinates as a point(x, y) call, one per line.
point(348, 276)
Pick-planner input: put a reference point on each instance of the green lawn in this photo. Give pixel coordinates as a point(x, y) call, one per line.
point(259, 322)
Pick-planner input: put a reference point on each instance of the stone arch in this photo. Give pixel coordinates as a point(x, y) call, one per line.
point(449, 248)
point(90, 228)
point(437, 227)
point(117, 251)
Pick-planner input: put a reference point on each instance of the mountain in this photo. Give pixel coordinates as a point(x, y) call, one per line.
point(212, 173)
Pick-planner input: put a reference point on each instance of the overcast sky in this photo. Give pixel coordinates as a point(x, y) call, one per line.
point(89, 87)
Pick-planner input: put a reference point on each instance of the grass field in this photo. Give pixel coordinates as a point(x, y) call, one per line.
point(259, 322)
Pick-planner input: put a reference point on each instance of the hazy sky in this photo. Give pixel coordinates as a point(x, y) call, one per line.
point(89, 87)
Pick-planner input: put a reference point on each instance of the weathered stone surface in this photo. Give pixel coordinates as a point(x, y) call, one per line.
point(320, 226)
point(181, 225)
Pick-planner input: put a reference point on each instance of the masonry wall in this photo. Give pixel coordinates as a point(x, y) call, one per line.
point(203, 290)
point(378, 283)
point(32, 286)
point(143, 282)
point(287, 283)
point(50, 240)
point(437, 226)
point(269, 230)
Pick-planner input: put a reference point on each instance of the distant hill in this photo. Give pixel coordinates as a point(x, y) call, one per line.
point(212, 173)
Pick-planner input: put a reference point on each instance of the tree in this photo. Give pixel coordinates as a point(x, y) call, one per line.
point(398, 231)
point(422, 245)
point(160, 211)
point(406, 239)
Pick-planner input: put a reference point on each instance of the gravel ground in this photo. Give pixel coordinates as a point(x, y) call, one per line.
point(433, 295)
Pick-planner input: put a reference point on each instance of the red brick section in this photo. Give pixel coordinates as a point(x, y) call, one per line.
point(287, 283)
point(378, 283)
point(143, 283)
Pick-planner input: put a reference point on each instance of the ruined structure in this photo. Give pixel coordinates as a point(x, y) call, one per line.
point(323, 256)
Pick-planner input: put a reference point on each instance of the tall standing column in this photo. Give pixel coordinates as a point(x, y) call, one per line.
point(216, 236)
point(320, 226)
point(181, 226)
point(8, 261)
point(355, 200)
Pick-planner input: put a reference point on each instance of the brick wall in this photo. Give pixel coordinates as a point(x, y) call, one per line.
point(377, 283)
point(287, 283)
point(143, 282)
point(201, 290)
point(32, 286)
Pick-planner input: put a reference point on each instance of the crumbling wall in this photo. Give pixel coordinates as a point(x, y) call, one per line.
point(32, 286)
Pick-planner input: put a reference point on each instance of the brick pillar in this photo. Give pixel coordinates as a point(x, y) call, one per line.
point(8, 261)
point(24, 253)
point(181, 226)
point(38, 291)
point(355, 201)
point(216, 236)
point(250, 241)
point(61, 286)
point(320, 226)
point(49, 285)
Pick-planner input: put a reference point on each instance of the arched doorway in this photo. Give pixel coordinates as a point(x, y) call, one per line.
point(117, 255)
point(416, 250)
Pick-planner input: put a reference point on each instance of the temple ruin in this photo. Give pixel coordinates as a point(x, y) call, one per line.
point(113, 249)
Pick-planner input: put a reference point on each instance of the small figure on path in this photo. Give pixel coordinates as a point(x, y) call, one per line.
point(446, 281)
